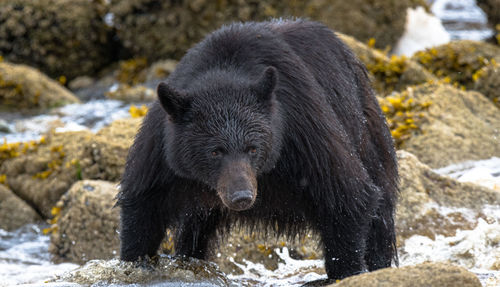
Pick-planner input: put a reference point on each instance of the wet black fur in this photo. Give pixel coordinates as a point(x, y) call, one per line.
point(326, 160)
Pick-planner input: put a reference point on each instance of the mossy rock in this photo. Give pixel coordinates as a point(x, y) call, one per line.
point(14, 212)
point(60, 37)
point(24, 88)
point(40, 172)
point(166, 29)
point(459, 61)
point(456, 125)
point(86, 224)
point(388, 73)
point(487, 82)
point(426, 274)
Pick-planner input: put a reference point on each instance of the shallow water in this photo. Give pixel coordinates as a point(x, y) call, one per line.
point(92, 115)
point(463, 19)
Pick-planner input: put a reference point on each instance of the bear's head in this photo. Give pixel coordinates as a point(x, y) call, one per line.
point(224, 133)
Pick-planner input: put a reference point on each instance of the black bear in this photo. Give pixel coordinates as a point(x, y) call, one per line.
point(269, 124)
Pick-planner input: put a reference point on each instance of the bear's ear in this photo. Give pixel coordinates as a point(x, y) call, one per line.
point(265, 85)
point(174, 102)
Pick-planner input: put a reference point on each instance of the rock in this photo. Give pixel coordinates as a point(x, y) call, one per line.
point(81, 82)
point(492, 9)
point(108, 149)
point(41, 172)
point(177, 272)
point(426, 274)
point(426, 197)
point(60, 37)
point(160, 70)
point(244, 246)
point(388, 74)
point(86, 226)
point(22, 88)
point(4, 126)
point(14, 212)
point(488, 83)
point(136, 93)
point(159, 30)
point(458, 61)
point(454, 126)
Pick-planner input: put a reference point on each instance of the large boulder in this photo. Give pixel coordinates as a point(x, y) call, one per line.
point(86, 225)
point(14, 212)
point(431, 204)
point(426, 274)
point(388, 74)
point(60, 37)
point(166, 29)
point(443, 125)
point(22, 88)
point(40, 172)
point(459, 61)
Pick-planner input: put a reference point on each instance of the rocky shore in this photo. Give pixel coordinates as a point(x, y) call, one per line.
point(442, 106)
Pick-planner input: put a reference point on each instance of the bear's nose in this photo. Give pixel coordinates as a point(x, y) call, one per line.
point(241, 199)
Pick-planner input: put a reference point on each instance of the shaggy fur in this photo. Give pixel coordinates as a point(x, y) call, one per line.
point(288, 103)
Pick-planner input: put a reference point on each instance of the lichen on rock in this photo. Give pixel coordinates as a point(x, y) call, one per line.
point(459, 60)
point(456, 126)
point(388, 73)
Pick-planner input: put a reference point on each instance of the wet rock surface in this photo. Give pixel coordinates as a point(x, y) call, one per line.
point(457, 126)
point(60, 37)
point(23, 88)
point(427, 274)
point(165, 272)
point(14, 212)
point(428, 202)
point(86, 225)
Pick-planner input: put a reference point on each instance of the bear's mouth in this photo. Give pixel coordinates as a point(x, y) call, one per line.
point(237, 184)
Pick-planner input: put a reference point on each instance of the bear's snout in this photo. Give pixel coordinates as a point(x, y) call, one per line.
point(242, 199)
point(237, 185)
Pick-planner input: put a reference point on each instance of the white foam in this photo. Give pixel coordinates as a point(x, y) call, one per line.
point(289, 273)
point(476, 248)
point(482, 172)
point(422, 30)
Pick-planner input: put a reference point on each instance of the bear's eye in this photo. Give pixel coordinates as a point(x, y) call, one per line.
point(251, 150)
point(217, 152)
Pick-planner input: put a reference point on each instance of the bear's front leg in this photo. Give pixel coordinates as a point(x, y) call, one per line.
point(142, 228)
point(195, 232)
point(344, 240)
